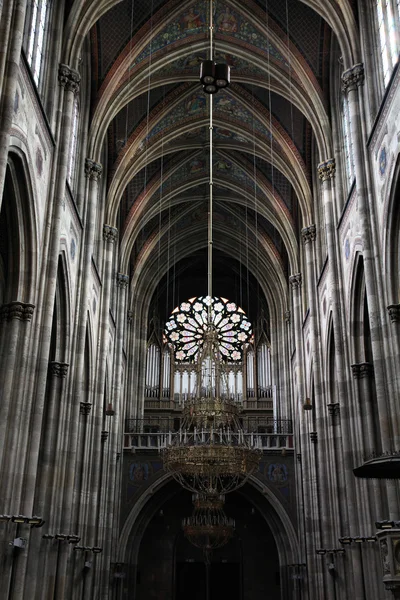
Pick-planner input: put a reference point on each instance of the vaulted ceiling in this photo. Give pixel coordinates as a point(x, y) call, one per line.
point(149, 124)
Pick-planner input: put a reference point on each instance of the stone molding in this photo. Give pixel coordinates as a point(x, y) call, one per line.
point(394, 312)
point(334, 409)
point(59, 369)
point(85, 408)
point(309, 234)
point(16, 310)
point(362, 370)
point(93, 170)
point(353, 78)
point(69, 78)
point(122, 280)
point(110, 234)
point(295, 281)
point(327, 169)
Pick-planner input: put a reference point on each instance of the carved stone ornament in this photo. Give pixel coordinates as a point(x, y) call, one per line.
point(104, 436)
point(287, 316)
point(334, 409)
point(314, 436)
point(16, 310)
point(85, 408)
point(394, 313)
point(59, 369)
point(309, 234)
point(295, 281)
point(122, 280)
point(93, 169)
point(361, 370)
point(110, 234)
point(327, 169)
point(69, 78)
point(389, 545)
point(130, 316)
point(353, 78)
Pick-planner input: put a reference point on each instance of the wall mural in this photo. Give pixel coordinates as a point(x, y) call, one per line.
point(194, 21)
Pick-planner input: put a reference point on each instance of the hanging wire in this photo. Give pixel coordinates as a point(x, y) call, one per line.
point(129, 76)
point(210, 213)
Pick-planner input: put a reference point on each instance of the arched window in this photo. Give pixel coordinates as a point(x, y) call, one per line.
point(388, 14)
point(73, 145)
point(38, 19)
point(348, 143)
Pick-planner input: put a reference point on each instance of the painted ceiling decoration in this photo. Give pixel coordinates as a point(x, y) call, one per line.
point(152, 117)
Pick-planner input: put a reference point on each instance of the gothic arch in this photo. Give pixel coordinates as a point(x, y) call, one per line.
point(19, 250)
point(391, 239)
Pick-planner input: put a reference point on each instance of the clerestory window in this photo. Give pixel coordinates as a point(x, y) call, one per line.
point(388, 15)
point(348, 143)
point(38, 15)
point(73, 145)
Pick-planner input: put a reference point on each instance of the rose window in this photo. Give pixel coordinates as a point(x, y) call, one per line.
point(188, 323)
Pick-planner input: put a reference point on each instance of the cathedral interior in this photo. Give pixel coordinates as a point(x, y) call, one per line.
point(199, 299)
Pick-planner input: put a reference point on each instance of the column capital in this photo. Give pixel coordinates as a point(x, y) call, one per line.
point(85, 408)
point(327, 169)
point(122, 280)
point(93, 169)
point(16, 310)
point(69, 78)
point(362, 370)
point(353, 78)
point(394, 312)
point(309, 234)
point(295, 281)
point(59, 369)
point(110, 234)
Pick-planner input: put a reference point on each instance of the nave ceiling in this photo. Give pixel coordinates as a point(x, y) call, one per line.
point(149, 125)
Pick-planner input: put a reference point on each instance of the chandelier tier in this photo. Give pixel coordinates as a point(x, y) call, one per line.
point(208, 528)
point(210, 454)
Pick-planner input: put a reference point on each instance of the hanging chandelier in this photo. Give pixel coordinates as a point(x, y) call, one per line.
point(210, 454)
point(208, 528)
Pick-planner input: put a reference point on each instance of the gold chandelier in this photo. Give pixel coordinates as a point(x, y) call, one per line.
point(211, 455)
point(208, 528)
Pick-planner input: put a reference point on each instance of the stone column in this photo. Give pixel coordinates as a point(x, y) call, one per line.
point(325, 459)
point(106, 517)
point(11, 35)
point(352, 80)
point(306, 466)
point(350, 516)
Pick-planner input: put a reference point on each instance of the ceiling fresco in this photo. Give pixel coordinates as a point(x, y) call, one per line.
point(153, 116)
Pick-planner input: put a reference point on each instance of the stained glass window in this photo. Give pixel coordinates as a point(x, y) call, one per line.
point(188, 323)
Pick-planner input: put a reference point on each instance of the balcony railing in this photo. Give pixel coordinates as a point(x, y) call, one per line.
point(155, 441)
point(252, 425)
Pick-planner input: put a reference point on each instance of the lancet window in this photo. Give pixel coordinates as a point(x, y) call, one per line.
point(348, 143)
point(36, 37)
point(388, 15)
point(73, 145)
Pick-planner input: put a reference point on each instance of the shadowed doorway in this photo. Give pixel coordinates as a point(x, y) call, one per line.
point(170, 568)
